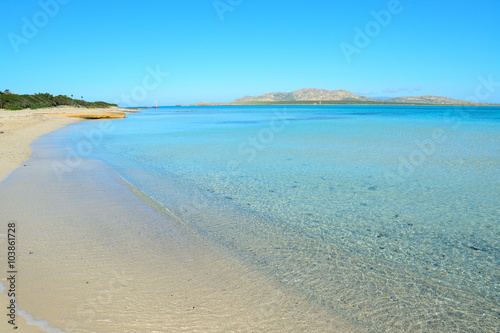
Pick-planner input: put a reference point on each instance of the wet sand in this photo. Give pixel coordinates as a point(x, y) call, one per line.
point(93, 257)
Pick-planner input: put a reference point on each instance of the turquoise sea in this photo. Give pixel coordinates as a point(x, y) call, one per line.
point(388, 215)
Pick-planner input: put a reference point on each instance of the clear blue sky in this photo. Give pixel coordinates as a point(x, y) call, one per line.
point(102, 49)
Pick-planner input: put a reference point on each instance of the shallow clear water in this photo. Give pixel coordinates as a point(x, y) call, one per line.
point(388, 215)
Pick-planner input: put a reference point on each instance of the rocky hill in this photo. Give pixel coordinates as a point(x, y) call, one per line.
point(323, 96)
point(428, 99)
point(307, 94)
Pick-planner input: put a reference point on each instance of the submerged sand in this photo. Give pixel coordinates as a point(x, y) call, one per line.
point(93, 257)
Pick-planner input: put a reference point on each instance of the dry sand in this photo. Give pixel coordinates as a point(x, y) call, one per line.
point(93, 259)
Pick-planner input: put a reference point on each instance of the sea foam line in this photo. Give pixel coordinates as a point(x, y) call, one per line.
point(30, 319)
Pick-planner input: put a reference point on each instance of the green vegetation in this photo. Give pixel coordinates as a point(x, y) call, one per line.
point(11, 101)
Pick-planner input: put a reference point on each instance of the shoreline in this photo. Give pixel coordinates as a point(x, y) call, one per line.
point(18, 129)
point(81, 223)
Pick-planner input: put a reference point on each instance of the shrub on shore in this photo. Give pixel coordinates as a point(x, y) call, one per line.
point(11, 101)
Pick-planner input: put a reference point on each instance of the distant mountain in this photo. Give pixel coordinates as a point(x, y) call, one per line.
point(428, 99)
point(316, 96)
point(307, 94)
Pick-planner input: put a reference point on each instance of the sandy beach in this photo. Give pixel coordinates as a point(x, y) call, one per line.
point(20, 128)
point(91, 257)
